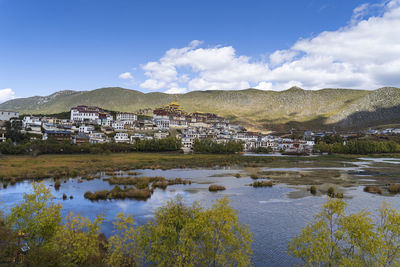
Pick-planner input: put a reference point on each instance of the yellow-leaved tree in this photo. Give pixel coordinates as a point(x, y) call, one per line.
point(337, 239)
point(191, 236)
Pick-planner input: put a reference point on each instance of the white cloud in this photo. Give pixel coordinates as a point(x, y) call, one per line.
point(125, 76)
point(363, 54)
point(176, 90)
point(6, 94)
point(264, 86)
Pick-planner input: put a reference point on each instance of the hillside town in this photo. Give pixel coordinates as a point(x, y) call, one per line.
point(96, 126)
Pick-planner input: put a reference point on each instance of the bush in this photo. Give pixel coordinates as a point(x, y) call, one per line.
point(394, 188)
point(118, 193)
point(214, 188)
point(54, 147)
point(254, 176)
point(210, 146)
point(313, 189)
point(262, 184)
point(57, 185)
point(373, 189)
point(331, 191)
point(359, 147)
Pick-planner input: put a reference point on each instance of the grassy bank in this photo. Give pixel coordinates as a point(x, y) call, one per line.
point(59, 166)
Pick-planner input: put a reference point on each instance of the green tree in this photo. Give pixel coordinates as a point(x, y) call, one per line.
point(36, 216)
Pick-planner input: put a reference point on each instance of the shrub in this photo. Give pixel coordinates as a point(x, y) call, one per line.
point(262, 184)
point(64, 196)
point(254, 176)
point(215, 187)
point(210, 146)
point(394, 188)
point(313, 189)
point(331, 191)
point(373, 189)
point(57, 185)
point(339, 195)
point(118, 193)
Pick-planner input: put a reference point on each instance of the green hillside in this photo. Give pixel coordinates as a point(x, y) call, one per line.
point(256, 109)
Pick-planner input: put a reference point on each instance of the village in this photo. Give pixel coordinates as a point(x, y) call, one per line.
point(96, 126)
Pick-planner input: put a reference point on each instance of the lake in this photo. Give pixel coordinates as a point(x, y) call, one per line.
point(274, 214)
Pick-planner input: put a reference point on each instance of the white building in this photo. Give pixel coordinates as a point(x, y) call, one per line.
point(140, 137)
point(161, 135)
point(162, 123)
point(121, 138)
point(187, 142)
point(28, 121)
point(98, 138)
point(92, 114)
point(87, 129)
point(6, 115)
point(130, 117)
point(118, 126)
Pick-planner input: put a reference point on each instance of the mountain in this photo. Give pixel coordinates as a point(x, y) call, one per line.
point(256, 109)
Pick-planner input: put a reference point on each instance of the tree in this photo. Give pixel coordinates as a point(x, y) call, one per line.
point(36, 216)
point(123, 246)
point(77, 241)
point(191, 236)
point(7, 242)
point(337, 239)
point(216, 238)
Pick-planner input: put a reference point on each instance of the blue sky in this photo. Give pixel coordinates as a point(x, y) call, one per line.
point(180, 46)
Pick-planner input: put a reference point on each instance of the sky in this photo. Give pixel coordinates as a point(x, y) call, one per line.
point(179, 46)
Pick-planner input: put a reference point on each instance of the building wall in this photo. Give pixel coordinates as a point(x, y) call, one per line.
point(7, 115)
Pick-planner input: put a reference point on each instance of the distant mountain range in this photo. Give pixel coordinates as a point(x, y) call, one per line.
point(255, 109)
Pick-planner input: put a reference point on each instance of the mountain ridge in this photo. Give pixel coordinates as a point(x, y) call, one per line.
point(256, 109)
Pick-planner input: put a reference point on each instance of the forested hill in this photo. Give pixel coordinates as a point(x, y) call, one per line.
point(256, 109)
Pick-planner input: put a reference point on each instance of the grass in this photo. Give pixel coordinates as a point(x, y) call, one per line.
point(144, 182)
point(215, 187)
point(262, 184)
point(85, 165)
point(118, 193)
